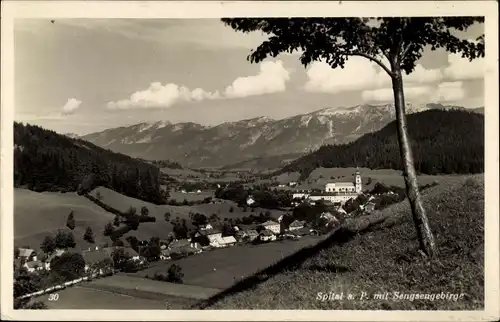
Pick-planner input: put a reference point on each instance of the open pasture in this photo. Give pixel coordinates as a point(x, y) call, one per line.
point(320, 176)
point(221, 268)
point(37, 215)
point(82, 298)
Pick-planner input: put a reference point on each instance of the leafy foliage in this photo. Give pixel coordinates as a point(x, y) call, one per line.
point(401, 40)
point(47, 161)
point(89, 235)
point(64, 240)
point(108, 229)
point(174, 274)
point(70, 222)
point(48, 244)
point(69, 266)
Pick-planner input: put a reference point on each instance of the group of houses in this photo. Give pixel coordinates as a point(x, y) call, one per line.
point(208, 237)
point(32, 261)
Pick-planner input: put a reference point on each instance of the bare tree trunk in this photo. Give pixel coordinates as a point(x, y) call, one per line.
point(424, 232)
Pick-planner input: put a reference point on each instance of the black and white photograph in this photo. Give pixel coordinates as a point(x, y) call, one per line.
point(250, 156)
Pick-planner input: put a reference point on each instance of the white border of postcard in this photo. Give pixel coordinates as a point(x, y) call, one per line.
point(209, 9)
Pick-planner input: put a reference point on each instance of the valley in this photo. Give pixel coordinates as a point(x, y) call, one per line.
point(187, 227)
point(260, 142)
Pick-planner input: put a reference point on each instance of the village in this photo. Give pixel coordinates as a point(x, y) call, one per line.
point(311, 213)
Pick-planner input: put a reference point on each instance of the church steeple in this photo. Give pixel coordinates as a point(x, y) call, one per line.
point(358, 184)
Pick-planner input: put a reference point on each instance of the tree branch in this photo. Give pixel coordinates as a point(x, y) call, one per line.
point(405, 51)
point(381, 64)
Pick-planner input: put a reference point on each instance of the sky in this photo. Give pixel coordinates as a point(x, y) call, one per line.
point(86, 75)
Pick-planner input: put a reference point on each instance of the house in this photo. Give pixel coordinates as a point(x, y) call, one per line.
point(250, 200)
point(296, 224)
point(280, 219)
point(301, 231)
point(251, 234)
point(128, 251)
point(206, 226)
point(97, 261)
point(228, 241)
point(369, 207)
point(166, 254)
point(330, 219)
point(300, 195)
point(27, 254)
point(179, 243)
point(180, 249)
point(212, 237)
point(239, 235)
point(267, 235)
point(56, 253)
point(32, 266)
point(272, 226)
point(292, 184)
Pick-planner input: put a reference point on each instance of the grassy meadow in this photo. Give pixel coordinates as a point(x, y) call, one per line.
point(221, 268)
point(82, 297)
point(378, 253)
point(320, 176)
point(37, 215)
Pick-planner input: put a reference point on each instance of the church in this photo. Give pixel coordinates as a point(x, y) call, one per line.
point(340, 191)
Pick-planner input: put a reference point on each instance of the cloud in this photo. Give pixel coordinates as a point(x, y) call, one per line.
point(358, 74)
point(272, 78)
point(449, 91)
point(71, 105)
point(162, 96)
point(361, 74)
point(444, 92)
point(386, 95)
point(462, 69)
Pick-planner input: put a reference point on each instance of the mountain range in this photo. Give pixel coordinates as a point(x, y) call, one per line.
point(443, 142)
point(251, 142)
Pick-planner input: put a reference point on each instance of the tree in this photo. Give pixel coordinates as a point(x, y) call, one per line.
point(116, 221)
point(69, 265)
point(16, 252)
point(64, 240)
point(119, 257)
point(70, 222)
point(108, 229)
point(89, 235)
point(118, 242)
point(144, 211)
point(174, 274)
point(394, 44)
point(166, 216)
point(48, 245)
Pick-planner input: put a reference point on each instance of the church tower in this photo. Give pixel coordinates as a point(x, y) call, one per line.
point(358, 182)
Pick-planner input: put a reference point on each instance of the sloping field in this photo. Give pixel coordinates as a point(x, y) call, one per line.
point(221, 268)
point(123, 203)
point(135, 283)
point(320, 176)
point(37, 215)
point(82, 298)
point(378, 254)
point(179, 196)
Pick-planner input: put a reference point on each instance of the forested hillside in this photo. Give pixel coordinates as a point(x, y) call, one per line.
point(443, 142)
point(47, 161)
